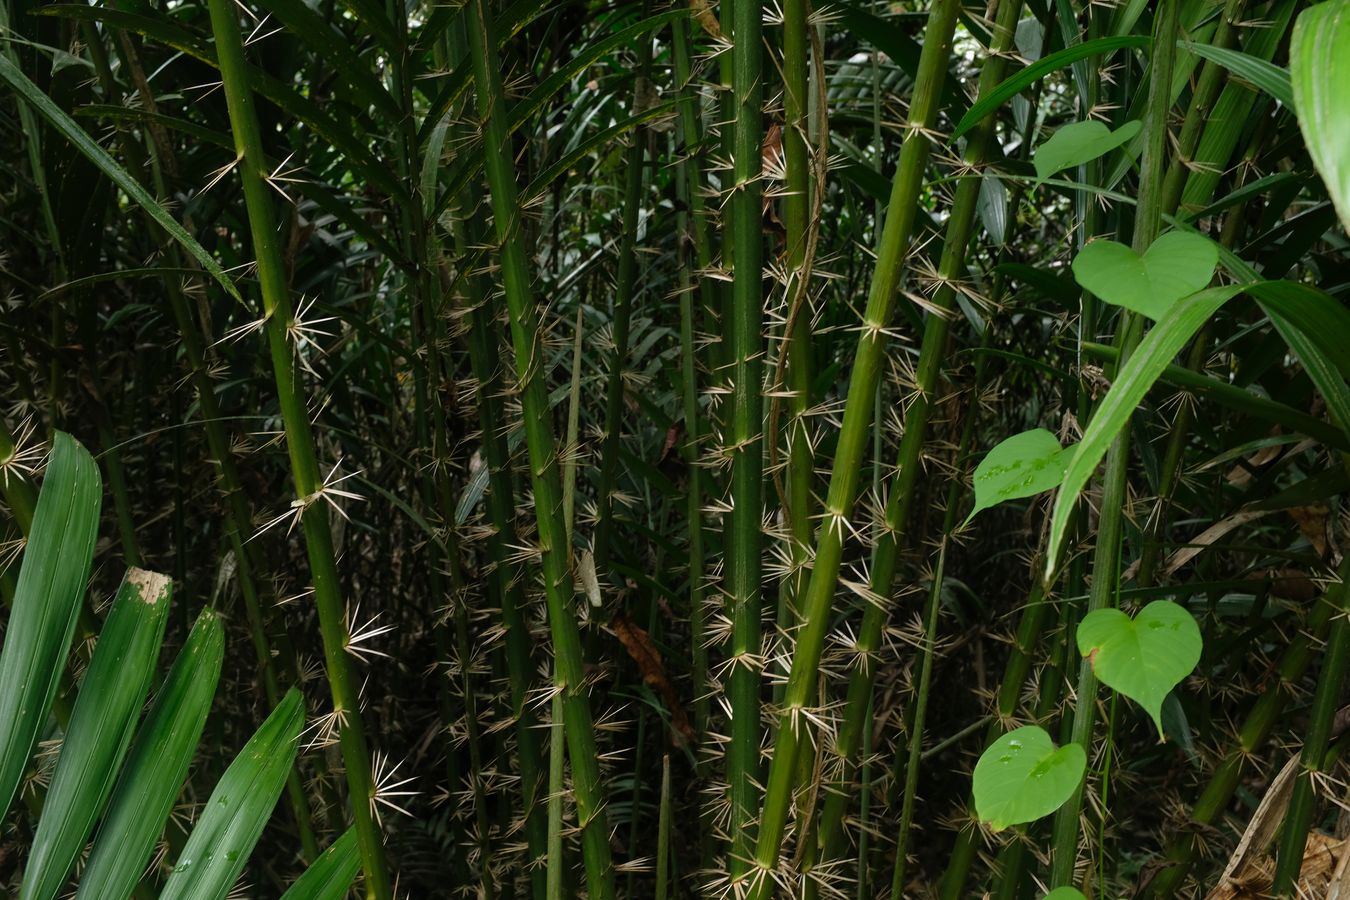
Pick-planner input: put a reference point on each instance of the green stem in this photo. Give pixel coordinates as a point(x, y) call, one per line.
point(854, 436)
point(342, 679)
point(1115, 493)
point(569, 676)
point(743, 437)
point(903, 489)
point(624, 289)
point(1327, 699)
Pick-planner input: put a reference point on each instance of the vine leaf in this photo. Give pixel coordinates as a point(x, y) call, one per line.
point(1065, 893)
point(1176, 265)
point(1144, 657)
point(1022, 777)
point(1021, 466)
point(1077, 143)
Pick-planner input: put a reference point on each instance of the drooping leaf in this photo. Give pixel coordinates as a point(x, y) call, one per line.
point(1134, 380)
point(107, 709)
point(1144, 657)
point(1022, 777)
point(57, 118)
point(1020, 466)
point(46, 605)
point(239, 808)
point(1320, 68)
point(330, 876)
point(1077, 143)
point(1176, 265)
point(156, 766)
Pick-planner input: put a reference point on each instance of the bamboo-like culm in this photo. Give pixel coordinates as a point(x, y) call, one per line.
point(311, 506)
point(854, 436)
point(743, 437)
point(546, 481)
point(902, 490)
point(625, 287)
point(1110, 528)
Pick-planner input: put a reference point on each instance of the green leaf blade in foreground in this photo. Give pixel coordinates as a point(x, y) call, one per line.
point(1135, 378)
point(331, 874)
point(156, 766)
point(1065, 893)
point(70, 129)
point(1176, 265)
point(1144, 657)
point(239, 808)
point(109, 704)
point(1023, 777)
point(47, 599)
point(1320, 69)
point(1021, 466)
point(1077, 143)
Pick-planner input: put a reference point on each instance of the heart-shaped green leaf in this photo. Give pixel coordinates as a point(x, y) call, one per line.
point(1176, 265)
point(1021, 466)
point(1080, 142)
point(1065, 893)
point(1022, 777)
point(1144, 657)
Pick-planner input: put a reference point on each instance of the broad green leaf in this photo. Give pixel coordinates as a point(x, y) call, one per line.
point(1021, 466)
point(1133, 381)
point(1022, 777)
point(107, 709)
point(1144, 657)
point(155, 766)
point(1320, 67)
point(57, 118)
point(1065, 893)
point(1262, 73)
point(1077, 143)
point(47, 599)
point(239, 808)
point(1015, 84)
point(1176, 265)
point(331, 874)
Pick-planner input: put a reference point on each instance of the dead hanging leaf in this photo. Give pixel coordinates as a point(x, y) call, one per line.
point(1251, 869)
point(590, 583)
point(706, 18)
point(638, 643)
point(1315, 523)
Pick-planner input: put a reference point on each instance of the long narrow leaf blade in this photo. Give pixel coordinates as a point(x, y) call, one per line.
point(1320, 69)
point(46, 602)
point(156, 766)
point(239, 808)
point(331, 874)
point(1138, 375)
point(68, 127)
point(109, 705)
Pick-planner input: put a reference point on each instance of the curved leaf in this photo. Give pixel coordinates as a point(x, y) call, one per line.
point(72, 132)
point(331, 874)
point(1079, 142)
point(1320, 68)
point(1132, 383)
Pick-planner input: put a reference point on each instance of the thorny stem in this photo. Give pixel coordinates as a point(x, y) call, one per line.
point(569, 677)
point(300, 446)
